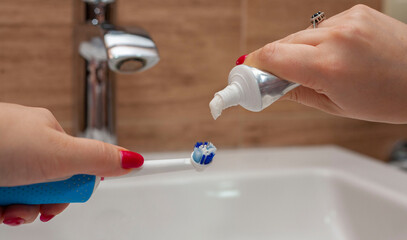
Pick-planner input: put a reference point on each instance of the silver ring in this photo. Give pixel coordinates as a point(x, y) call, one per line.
point(317, 18)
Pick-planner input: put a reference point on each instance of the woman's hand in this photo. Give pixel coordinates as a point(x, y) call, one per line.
point(34, 148)
point(353, 64)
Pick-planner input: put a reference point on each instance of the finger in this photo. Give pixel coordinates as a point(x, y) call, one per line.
point(48, 117)
point(311, 37)
point(79, 155)
point(15, 215)
point(310, 97)
point(58, 127)
point(331, 21)
point(343, 17)
point(294, 62)
point(49, 211)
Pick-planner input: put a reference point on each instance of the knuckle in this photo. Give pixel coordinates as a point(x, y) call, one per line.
point(45, 112)
point(346, 32)
point(266, 53)
point(294, 96)
point(105, 154)
point(333, 66)
point(101, 149)
point(293, 36)
point(360, 7)
point(359, 12)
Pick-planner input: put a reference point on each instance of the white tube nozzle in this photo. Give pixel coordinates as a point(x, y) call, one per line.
point(216, 106)
point(228, 97)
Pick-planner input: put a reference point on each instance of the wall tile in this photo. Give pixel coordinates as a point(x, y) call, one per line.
point(35, 68)
point(35, 12)
point(316, 128)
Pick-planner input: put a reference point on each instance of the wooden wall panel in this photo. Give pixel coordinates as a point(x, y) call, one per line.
point(166, 108)
point(36, 13)
point(35, 55)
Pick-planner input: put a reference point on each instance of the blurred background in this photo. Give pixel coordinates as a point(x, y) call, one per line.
point(166, 108)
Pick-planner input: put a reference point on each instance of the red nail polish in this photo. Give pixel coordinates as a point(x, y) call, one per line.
point(13, 221)
point(131, 159)
point(46, 218)
point(241, 59)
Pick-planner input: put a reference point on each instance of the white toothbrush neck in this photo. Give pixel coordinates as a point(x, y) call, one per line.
point(160, 166)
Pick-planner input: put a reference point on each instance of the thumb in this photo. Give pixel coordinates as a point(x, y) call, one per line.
point(88, 156)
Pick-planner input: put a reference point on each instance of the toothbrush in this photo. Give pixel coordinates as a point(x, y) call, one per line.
point(79, 188)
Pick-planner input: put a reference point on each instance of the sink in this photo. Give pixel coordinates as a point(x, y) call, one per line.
point(295, 193)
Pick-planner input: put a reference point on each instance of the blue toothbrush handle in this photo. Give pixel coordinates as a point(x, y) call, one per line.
point(77, 188)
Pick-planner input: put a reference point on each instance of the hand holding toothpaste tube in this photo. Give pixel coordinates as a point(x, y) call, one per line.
point(353, 64)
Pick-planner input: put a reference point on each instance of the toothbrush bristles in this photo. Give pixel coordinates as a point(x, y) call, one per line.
point(203, 153)
point(208, 159)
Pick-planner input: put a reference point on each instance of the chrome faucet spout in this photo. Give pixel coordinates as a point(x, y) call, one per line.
point(103, 49)
point(129, 51)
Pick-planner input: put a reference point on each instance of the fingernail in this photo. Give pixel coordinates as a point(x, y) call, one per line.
point(13, 221)
point(46, 218)
point(241, 59)
point(131, 159)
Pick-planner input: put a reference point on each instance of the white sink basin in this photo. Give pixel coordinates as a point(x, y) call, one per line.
point(317, 193)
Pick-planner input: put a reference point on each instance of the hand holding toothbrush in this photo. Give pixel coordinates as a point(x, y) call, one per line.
point(353, 64)
point(34, 148)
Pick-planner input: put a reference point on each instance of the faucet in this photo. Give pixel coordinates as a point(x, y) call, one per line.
point(398, 156)
point(102, 49)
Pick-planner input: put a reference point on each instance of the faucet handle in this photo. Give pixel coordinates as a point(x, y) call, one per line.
point(98, 11)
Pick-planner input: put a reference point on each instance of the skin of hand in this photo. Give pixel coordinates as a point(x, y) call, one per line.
point(353, 64)
point(34, 148)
